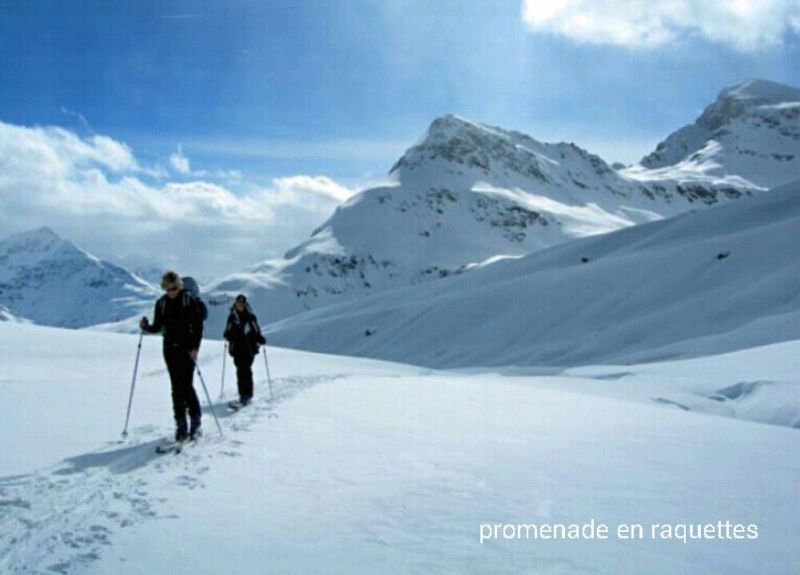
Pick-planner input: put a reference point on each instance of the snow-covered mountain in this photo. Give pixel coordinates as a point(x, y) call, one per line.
point(752, 131)
point(701, 282)
point(50, 281)
point(469, 194)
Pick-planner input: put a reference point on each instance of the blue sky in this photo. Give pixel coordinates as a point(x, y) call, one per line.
point(210, 75)
point(264, 90)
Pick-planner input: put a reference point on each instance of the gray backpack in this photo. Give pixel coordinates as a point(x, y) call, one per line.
point(190, 285)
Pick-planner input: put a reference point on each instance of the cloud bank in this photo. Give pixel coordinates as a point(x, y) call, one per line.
point(743, 25)
point(94, 191)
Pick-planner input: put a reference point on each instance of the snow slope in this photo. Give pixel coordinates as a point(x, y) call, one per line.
point(752, 130)
point(704, 282)
point(51, 281)
point(363, 467)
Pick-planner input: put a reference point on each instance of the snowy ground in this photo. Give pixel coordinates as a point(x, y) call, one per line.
point(360, 466)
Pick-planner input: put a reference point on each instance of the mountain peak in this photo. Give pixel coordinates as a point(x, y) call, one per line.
point(450, 127)
point(463, 146)
point(450, 124)
point(44, 233)
point(761, 91)
point(741, 99)
point(42, 239)
point(751, 130)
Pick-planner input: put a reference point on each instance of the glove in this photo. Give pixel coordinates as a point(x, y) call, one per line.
point(144, 323)
point(261, 339)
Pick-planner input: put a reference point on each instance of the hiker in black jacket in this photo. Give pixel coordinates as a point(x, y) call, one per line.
point(244, 336)
point(178, 317)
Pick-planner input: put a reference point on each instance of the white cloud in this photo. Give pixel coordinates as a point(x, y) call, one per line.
point(744, 25)
point(179, 162)
point(59, 152)
point(293, 187)
point(89, 189)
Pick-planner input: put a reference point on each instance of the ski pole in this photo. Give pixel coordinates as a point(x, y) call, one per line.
point(208, 397)
point(224, 357)
point(266, 364)
point(133, 385)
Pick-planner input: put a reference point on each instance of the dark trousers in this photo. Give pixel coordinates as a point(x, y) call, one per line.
point(244, 373)
point(184, 398)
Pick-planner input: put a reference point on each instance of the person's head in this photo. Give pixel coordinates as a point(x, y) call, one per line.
point(241, 302)
point(171, 283)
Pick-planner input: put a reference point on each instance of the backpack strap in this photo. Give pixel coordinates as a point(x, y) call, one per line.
point(254, 324)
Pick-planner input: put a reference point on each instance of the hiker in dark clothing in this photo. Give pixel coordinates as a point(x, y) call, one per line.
point(178, 317)
point(244, 336)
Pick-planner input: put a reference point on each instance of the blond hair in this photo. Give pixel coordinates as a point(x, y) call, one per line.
point(171, 278)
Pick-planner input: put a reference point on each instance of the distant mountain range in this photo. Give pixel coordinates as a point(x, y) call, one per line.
point(464, 198)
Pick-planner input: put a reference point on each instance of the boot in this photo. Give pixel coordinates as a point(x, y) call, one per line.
point(196, 430)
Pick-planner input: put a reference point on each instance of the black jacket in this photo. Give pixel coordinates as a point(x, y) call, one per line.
point(243, 332)
point(180, 321)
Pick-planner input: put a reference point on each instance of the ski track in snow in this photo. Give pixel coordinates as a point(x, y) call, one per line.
point(60, 519)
